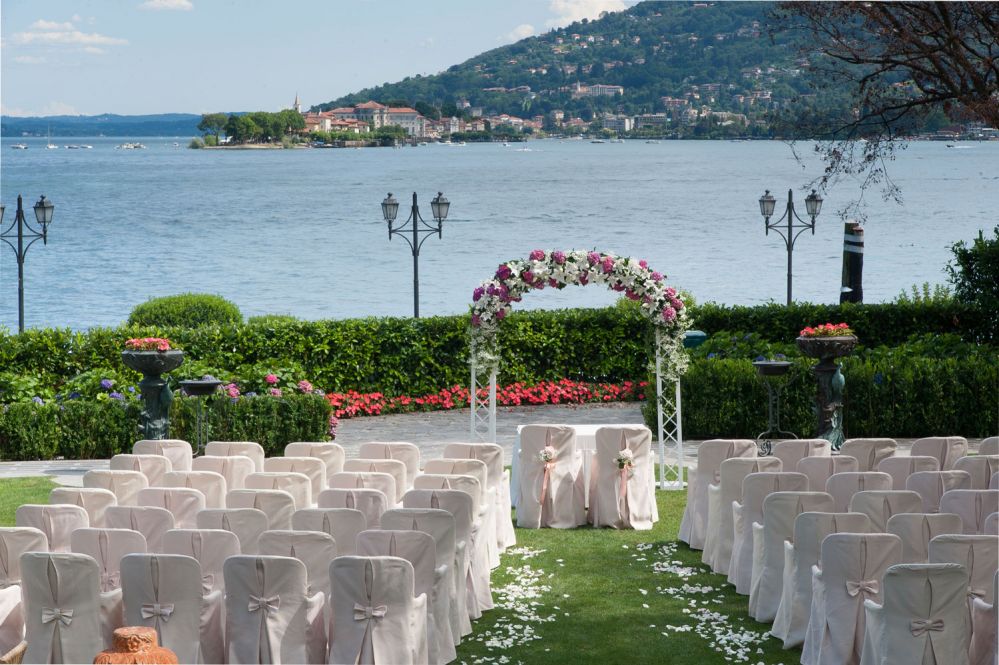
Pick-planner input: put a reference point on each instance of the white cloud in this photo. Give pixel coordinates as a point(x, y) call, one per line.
point(42, 24)
point(568, 11)
point(94, 50)
point(29, 60)
point(167, 5)
point(522, 31)
point(68, 37)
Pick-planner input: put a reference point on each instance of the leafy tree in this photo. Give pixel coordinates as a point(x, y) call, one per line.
point(241, 128)
point(212, 123)
point(975, 273)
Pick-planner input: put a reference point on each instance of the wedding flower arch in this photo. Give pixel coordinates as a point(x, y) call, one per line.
point(493, 300)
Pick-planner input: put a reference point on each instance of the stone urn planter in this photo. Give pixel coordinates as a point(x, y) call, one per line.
point(156, 394)
point(830, 382)
point(135, 644)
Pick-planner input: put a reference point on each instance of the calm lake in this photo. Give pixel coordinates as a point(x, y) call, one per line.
point(300, 231)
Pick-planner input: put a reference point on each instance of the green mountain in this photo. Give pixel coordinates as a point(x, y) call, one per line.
point(711, 54)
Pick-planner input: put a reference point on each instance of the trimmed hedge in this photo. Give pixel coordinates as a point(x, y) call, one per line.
point(186, 309)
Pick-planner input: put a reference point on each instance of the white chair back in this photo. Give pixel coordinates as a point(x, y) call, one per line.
point(991, 525)
point(977, 553)
point(984, 649)
point(151, 466)
point(315, 549)
point(92, 499)
point(393, 467)
point(57, 522)
point(931, 485)
point(176, 450)
point(842, 486)
point(792, 451)
point(209, 547)
point(438, 481)
point(917, 530)
point(404, 451)
point(249, 449)
point(62, 607)
point(298, 485)
point(880, 505)
point(151, 521)
point(371, 502)
point(15, 541)
point(980, 467)
point(312, 467)
point(332, 454)
point(107, 547)
point(462, 467)
point(498, 481)
point(278, 505)
point(247, 524)
point(234, 468)
point(383, 482)
point(622, 498)
point(989, 446)
point(819, 468)
point(947, 449)
point(869, 452)
point(551, 494)
point(342, 524)
point(710, 455)
point(974, 506)
point(184, 503)
point(721, 496)
point(211, 484)
point(900, 468)
point(124, 484)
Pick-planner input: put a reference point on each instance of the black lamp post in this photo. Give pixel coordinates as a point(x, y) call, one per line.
point(420, 231)
point(43, 215)
point(813, 204)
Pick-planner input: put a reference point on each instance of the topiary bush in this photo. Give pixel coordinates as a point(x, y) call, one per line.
point(188, 310)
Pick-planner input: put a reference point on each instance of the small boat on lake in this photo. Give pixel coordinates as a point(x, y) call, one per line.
point(19, 146)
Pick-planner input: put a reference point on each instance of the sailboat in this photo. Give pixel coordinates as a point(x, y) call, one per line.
point(50, 145)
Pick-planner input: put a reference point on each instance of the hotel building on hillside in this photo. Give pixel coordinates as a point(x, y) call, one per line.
point(378, 115)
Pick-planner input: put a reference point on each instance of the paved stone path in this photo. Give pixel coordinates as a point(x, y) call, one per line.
point(431, 431)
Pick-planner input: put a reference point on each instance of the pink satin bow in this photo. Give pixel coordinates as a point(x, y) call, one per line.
point(270, 605)
point(919, 626)
point(50, 614)
point(862, 586)
point(544, 482)
point(163, 610)
point(363, 613)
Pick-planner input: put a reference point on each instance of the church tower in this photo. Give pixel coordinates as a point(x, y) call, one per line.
point(298, 105)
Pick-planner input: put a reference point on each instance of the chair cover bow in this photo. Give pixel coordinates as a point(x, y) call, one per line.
point(363, 613)
point(269, 605)
point(862, 586)
point(207, 584)
point(976, 593)
point(920, 626)
point(110, 580)
point(162, 610)
point(50, 614)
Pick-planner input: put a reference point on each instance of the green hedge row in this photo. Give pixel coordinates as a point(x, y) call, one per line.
point(80, 429)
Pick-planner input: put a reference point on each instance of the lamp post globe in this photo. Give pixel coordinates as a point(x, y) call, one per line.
point(390, 208)
point(813, 204)
point(767, 204)
point(439, 207)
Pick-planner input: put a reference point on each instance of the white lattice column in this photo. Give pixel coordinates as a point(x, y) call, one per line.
point(670, 429)
point(483, 409)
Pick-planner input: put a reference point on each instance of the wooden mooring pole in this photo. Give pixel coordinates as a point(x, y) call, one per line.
point(852, 288)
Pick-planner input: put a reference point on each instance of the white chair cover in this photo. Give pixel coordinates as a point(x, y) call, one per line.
point(917, 530)
point(850, 569)
point(370, 502)
point(499, 480)
point(332, 454)
point(718, 545)
point(107, 547)
point(994, 482)
point(313, 467)
point(984, 645)
point(710, 455)
point(978, 554)
point(981, 467)
point(14, 541)
point(991, 527)
point(780, 509)
point(342, 524)
point(947, 449)
point(989, 446)
point(57, 522)
point(62, 608)
point(278, 505)
point(819, 469)
point(211, 484)
point(900, 468)
point(383, 482)
point(151, 521)
point(184, 503)
point(869, 452)
point(931, 485)
point(124, 484)
point(298, 485)
point(249, 449)
point(376, 616)
point(622, 498)
point(485, 502)
point(92, 499)
point(792, 451)
point(247, 524)
point(393, 467)
point(462, 467)
point(880, 505)
point(234, 468)
point(164, 591)
point(421, 551)
point(269, 616)
point(749, 511)
point(315, 549)
point(440, 525)
point(974, 506)
point(176, 450)
point(441, 481)
point(923, 618)
point(404, 451)
point(842, 486)
point(151, 466)
point(550, 494)
point(800, 554)
point(209, 547)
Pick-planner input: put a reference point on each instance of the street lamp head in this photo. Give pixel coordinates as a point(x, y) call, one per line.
point(43, 212)
point(767, 203)
point(813, 204)
point(390, 208)
point(439, 207)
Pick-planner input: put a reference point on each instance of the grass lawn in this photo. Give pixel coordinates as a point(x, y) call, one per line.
point(17, 491)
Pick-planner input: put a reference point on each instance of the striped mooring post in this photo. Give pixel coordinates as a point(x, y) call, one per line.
point(852, 288)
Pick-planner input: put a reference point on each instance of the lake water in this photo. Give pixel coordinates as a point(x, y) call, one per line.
point(300, 231)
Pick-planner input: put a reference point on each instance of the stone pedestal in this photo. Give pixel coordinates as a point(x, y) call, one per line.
point(830, 382)
point(156, 394)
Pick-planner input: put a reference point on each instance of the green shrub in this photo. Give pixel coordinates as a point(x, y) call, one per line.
point(271, 319)
point(975, 274)
point(29, 431)
point(186, 309)
point(196, 144)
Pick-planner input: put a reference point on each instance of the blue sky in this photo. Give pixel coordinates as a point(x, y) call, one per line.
point(196, 56)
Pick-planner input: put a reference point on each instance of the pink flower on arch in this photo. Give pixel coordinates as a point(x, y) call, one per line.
point(657, 276)
point(593, 258)
point(478, 293)
point(501, 314)
point(552, 282)
point(607, 264)
point(528, 276)
point(643, 263)
point(559, 257)
point(504, 272)
point(476, 320)
point(538, 255)
point(669, 314)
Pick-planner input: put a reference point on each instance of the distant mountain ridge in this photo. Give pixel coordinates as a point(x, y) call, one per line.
point(108, 124)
